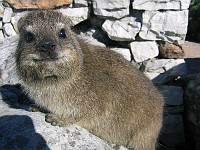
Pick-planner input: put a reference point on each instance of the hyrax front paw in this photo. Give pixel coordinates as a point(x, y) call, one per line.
point(36, 108)
point(55, 120)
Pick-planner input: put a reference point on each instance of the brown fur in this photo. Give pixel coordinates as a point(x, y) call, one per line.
point(90, 86)
point(170, 50)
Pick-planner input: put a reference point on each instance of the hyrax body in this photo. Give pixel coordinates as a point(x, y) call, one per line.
point(90, 86)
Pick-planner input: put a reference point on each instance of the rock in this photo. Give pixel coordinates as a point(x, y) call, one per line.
point(111, 8)
point(164, 70)
point(42, 4)
point(192, 110)
point(125, 52)
point(161, 5)
point(20, 129)
point(172, 133)
point(7, 14)
point(1, 35)
point(168, 26)
point(173, 95)
point(7, 60)
point(1, 10)
point(8, 30)
point(144, 50)
point(90, 37)
point(122, 30)
point(1, 24)
point(15, 19)
point(96, 36)
point(81, 3)
point(76, 15)
point(170, 50)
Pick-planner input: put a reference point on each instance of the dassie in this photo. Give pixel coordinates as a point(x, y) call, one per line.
point(86, 85)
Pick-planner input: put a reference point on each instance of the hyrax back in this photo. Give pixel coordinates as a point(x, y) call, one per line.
point(90, 86)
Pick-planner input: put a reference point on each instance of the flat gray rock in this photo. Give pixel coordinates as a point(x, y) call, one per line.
point(111, 8)
point(168, 26)
point(144, 50)
point(76, 15)
point(122, 30)
point(163, 70)
point(7, 14)
point(161, 4)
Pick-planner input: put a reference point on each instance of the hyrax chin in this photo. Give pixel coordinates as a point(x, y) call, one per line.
point(90, 86)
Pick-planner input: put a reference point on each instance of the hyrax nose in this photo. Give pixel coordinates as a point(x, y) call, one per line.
point(47, 46)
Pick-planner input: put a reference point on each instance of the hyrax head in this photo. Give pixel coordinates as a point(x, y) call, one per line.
point(47, 48)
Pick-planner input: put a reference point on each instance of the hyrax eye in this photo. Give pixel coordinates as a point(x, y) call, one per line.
point(29, 37)
point(62, 33)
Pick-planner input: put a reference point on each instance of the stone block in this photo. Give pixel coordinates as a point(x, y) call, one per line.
point(81, 3)
point(7, 14)
point(1, 35)
point(122, 30)
point(161, 5)
point(111, 8)
point(76, 15)
point(144, 50)
point(124, 52)
point(168, 26)
point(1, 25)
point(164, 70)
point(172, 133)
point(8, 30)
point(173, 95)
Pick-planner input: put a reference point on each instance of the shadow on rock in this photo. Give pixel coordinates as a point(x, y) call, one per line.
point(18, 132)
point(14, 96)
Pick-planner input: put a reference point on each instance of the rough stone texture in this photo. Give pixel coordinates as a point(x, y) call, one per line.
point(192, 109)
point(167, 26)
point(81, 3)
point(124, 52)
point(7, 60)
point(1, 24)
point(89, 37)
point(173, 95)
point(24, 4)
point(76, 15)
point(7, 14)
point(20, 129)
point(111, 8)
point(144, 50)
point(164, 70)
point(172, 133)
point(1, 35)
point(160, 5)
point(170, 50)
point(122, 30)
point(9, 30)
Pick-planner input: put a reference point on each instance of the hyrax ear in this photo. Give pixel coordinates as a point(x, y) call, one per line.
point(20, 23)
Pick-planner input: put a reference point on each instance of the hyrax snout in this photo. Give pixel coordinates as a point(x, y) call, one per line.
point(86, 85)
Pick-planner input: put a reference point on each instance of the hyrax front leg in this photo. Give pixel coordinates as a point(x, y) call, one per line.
point(56, 120)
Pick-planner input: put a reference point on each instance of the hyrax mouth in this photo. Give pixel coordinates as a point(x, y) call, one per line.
point(47, 59)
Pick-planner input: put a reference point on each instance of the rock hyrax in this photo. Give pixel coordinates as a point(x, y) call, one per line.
point(90, 86)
